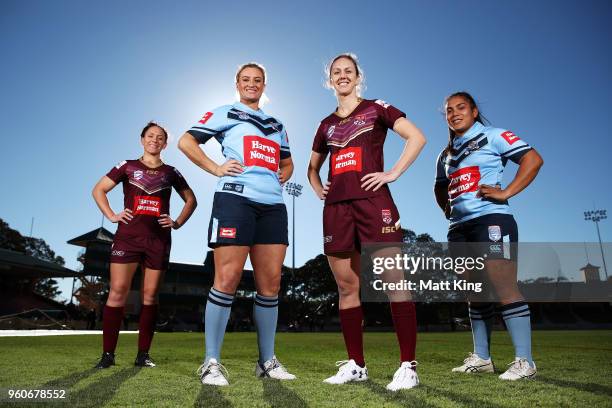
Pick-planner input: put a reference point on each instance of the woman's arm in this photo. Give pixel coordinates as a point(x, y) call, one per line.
point(99, 192)
point(314, 166)
point(529, 166)
point(191, 148)
point(415, 140)
point(188, 209)
point(285, 170)
point(441, 194)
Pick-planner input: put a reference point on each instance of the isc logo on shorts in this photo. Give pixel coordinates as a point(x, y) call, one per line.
point(348, 159)
point(227, 232)
point(463, 181)
point(259, 151)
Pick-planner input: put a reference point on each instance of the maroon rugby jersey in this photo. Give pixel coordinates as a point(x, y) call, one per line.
point(146, 191)
point(356, 147)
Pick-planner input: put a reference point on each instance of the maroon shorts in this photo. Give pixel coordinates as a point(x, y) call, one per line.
point(150, 252)
point(349, 224)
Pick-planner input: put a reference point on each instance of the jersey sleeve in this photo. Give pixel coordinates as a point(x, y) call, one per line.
point(508, 145)
point(179, 183)
point(388, 113)
point(117, 173)
point(440, 170)
point(285, 153)
point(212, 124)
point(319, 143)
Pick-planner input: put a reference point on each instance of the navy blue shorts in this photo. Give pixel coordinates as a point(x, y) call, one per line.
point(493, 235)
point(236, 220)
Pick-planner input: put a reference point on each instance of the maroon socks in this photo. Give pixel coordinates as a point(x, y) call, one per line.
point(111, 322)
point(404, 320)
point(352, 329)
point(146, 327)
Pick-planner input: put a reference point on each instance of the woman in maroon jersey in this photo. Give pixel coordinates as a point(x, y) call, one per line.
point(142, 238)
point(359, 209)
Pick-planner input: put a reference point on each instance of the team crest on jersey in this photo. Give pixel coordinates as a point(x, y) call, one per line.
point(386, 216)
point(138, 174)
point(494, 233)
point(330, 130)
point(243, 116)
point(360, 120)
point(382, 103)
point(473, 145)
point(510, 137)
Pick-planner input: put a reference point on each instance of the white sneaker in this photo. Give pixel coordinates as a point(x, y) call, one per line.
point(348, 371)
point(405, 377)
point(474, 364)
point(519, 369)
point(273, 369)
point(213, 373)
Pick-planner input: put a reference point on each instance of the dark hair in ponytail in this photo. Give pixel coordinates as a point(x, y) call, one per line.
point(480, 118)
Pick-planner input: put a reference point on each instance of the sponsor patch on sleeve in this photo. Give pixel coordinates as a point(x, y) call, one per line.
point(205, 117)
point(348, 159)
point(510, 137)
point(119, 165)
point(382, 103)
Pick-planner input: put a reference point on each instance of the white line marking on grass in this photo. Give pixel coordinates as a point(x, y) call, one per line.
point(38, 332)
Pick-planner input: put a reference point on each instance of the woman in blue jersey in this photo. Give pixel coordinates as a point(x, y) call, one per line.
point(468, 190)
point(248, 217)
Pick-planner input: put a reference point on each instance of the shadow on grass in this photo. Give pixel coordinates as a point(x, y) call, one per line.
point(403, 397)
point(211, 396)
point(277, 395)
point(68, 381)
point(584, 387)
point(460, 398)
point(103, 390)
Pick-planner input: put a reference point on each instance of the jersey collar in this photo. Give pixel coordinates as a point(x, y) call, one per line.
point(241, 106)
point(476, 128)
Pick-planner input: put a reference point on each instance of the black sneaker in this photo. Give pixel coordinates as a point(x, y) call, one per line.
point(107, 360)
point(143, 360)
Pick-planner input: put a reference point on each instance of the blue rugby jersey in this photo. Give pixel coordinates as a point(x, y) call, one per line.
point(480, 157)
point(256, 140)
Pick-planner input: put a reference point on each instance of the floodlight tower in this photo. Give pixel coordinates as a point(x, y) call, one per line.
point(294, 190)
point(596, 216)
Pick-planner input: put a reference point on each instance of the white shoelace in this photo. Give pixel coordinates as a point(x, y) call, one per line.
point(517, 366)
point(214, 369)
point(404, 372)
point(472, 358)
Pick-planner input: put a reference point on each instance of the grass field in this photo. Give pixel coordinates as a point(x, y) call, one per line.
point(575, 369)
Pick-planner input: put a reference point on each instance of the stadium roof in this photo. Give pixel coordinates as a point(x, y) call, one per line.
point(25, 266)
point(98, 235)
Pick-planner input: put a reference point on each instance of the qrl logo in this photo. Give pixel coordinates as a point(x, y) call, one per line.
point(348, 159)
point(259, 151)
point(463, 181)
point(205, 118)
point(510, 137)
point(386, 216)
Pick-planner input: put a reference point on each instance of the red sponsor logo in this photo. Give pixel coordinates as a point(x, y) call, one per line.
point(259, 151)
point(147, 205)
point(510, 137)
point(227, 232)
point(348, 159)
point(205, 118)
point(463, 181)
point(386, 216)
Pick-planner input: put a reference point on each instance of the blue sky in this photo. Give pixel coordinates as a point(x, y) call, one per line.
point(79, 80)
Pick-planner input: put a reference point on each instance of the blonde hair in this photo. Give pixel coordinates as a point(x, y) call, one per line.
point(358, 70)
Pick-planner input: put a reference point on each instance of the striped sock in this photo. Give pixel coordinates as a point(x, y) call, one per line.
point(481, 318)
point(216, 316)
point(265, 314)
point(518, 321)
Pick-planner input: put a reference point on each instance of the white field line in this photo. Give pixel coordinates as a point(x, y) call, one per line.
point(38, 332)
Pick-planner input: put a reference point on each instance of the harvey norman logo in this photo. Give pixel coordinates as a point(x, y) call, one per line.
point(348, 159)
point(259, 151)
